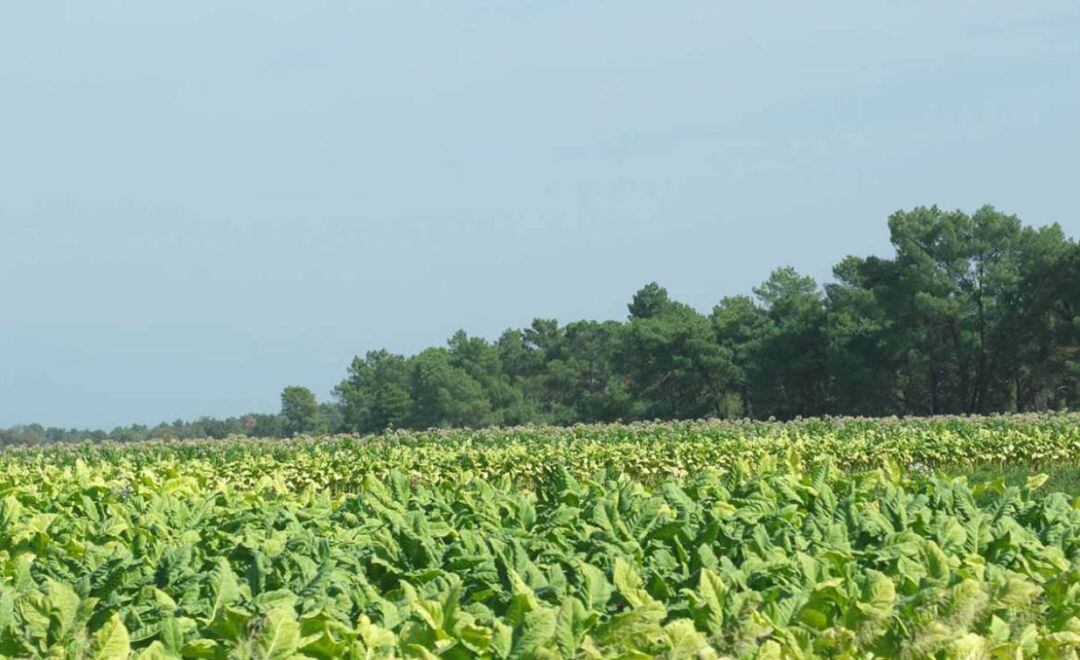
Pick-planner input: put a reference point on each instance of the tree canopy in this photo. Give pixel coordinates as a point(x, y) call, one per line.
point(973, 313)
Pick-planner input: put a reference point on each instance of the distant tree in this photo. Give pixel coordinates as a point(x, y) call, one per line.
point(860, 363)
point(544, 337)
point(522, 362)
point(955, 322)
point(789, 373)
point(570, 373)
point(519, 359)
point(265, 426)
point(673, 362)
point(375, 393)
point(1039, 335)
point(299, 410)
point(133, 433)
point(651, 300)
point(593, 385)
point(30, 434)
point(163, 431)
point(741, 326)
point(481, 361)
point(331, 417)
point(444, 395)
point(211, 427)
point(971, 313)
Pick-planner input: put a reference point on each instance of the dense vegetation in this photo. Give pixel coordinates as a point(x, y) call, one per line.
point(646, 451)
point(972, 314)
point(698, 539)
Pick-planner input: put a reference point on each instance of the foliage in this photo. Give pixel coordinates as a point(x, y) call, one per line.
point(299, 410)
point(972, 314)
point(641, 451)
point(742, 540)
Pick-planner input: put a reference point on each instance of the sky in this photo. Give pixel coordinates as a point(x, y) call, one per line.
point(202, 202)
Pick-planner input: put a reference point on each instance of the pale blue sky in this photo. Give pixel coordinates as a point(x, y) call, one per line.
point(203, 202)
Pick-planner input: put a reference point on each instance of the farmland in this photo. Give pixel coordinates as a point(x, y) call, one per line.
point(839, 537)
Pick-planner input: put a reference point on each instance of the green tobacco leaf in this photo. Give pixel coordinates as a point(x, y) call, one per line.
point(573, 623)
point(629, 584)
point(201, 648)
point(1035, 481)
point(111, 641)
point(373, 636)
point(637, 627)
point(278, 637)
point(597, 588)
point(522, 601)
point(999, 630)
point(489, 543)
point(711, 591)
point(770, 650)
point(171, 632)
point(536, 630)
point(224, 588)
point(878, 596)
point(969, 646)
point(684, 641)
point(156, 651)
point(502, 639)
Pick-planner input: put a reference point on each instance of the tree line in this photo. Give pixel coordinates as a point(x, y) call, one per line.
point(972, 314)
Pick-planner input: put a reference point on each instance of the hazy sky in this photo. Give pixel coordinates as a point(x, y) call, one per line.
point(203, 202)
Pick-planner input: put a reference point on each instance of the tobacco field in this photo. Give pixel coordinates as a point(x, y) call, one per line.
point(846, 538)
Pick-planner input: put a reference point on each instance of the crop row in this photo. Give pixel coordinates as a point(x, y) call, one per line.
point(779, 563)
point(647, 452)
